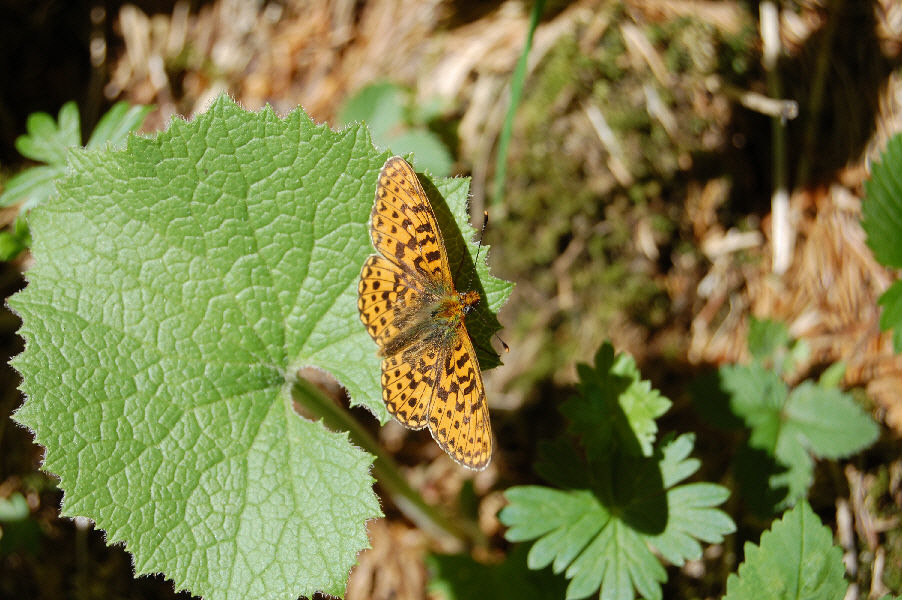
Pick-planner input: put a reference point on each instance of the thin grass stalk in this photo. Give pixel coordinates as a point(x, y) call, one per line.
point(517, 82)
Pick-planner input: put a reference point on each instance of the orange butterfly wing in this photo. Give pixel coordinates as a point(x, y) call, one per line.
point(459, 414)
point(403, 225)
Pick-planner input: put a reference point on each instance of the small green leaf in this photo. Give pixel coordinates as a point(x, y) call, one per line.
point(18, 533)
point(615, 406)
point(428, 110)
point(48, 142)
point(793, 472)
point(178, 287)
point(891, 317)
point(15, 508)
point(765, 337)
point(832, 375)
point(10, 245)
point(756, 396)
point(770, 345)
point(430, 151)
point(789, 427)
point(15, 239)
point(604, 537)
point(459, 577)
point(379, 105)
point(32, 186)
point(828, 422)
point(114, 127)
point(768, 482)
point(881, 211)
point(383, 106)
point(798, 352)
point(796, 560)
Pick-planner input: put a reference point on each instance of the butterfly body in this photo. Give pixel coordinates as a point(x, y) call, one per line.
point(452, 307)
point(410, 307)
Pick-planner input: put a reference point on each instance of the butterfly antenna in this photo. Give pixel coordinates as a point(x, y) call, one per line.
point(490, 349)
point(503, 344)
point(485, 223)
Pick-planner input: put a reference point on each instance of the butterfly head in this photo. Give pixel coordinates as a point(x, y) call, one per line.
point(453, 307)
point(468, 300)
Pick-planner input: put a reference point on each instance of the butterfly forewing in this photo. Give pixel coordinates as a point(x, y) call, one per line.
point(385, 295)
point(407, 300)
point(403, 225)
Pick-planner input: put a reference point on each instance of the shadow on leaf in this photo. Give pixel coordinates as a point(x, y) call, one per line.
point(463, 269)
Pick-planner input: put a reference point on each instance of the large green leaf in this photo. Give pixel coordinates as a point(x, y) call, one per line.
point(178, 286)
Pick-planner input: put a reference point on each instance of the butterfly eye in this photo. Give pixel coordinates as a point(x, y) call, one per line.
point(469, 300)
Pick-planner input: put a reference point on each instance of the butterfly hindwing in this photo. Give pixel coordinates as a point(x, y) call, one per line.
point(458, 414)
point(408, 383)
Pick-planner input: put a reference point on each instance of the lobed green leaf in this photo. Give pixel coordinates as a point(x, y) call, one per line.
point(827, 421)
point(178, 287)
point(615, 407)
point(604, 537)
point(766, 337)
point(50, 142)
point(401, 128)
point(114, 126)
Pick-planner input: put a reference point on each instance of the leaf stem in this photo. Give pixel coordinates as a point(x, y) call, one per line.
point(427, 517)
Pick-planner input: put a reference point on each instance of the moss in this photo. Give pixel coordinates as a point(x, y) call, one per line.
point(562, 199)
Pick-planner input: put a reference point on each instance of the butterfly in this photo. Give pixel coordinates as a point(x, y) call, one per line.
point(408, 303)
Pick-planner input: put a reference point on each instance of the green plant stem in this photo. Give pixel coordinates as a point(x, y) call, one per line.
point(517, 81)
point(409, 501)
